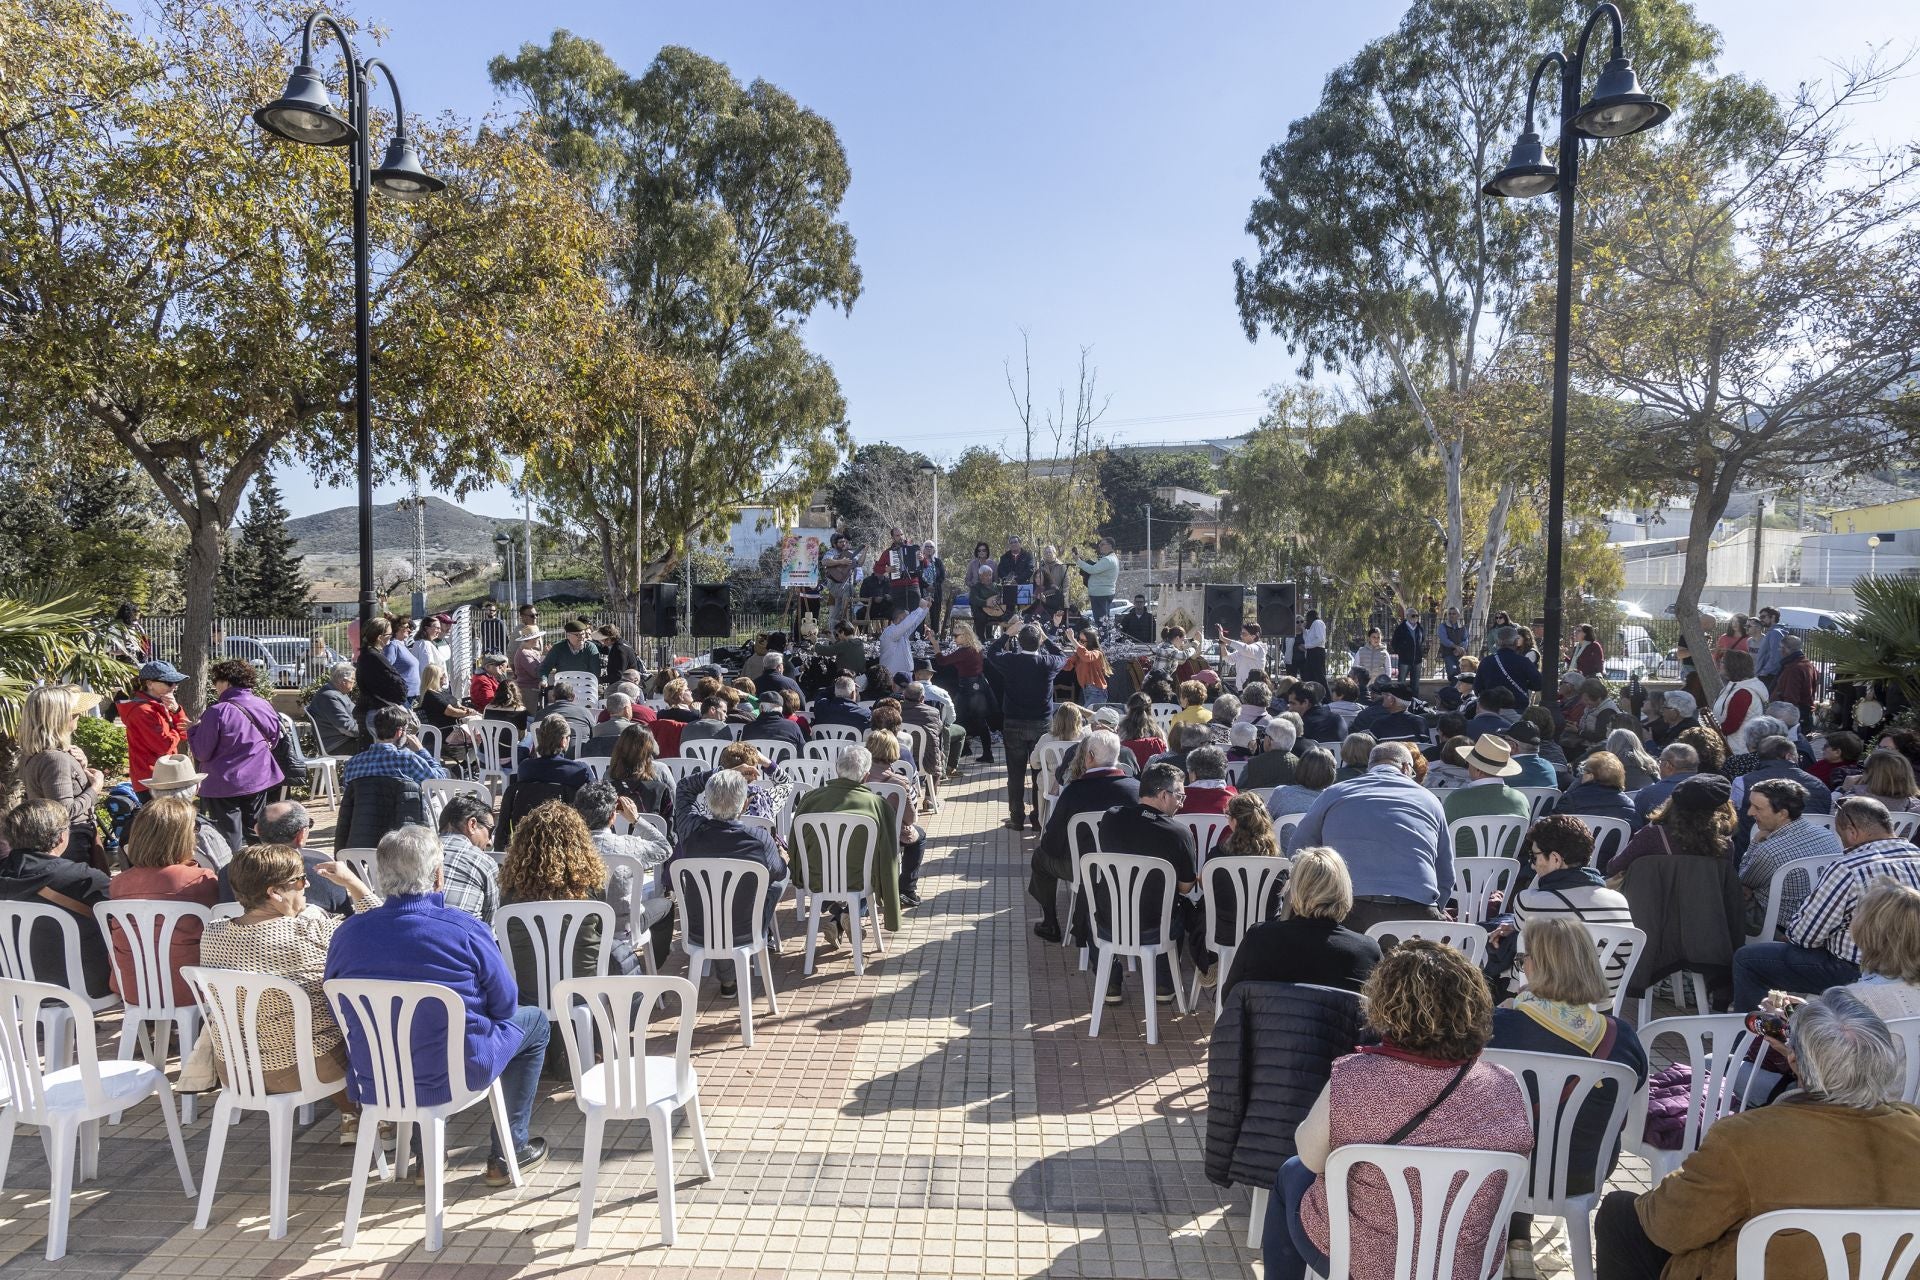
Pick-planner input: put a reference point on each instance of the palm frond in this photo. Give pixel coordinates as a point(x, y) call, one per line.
point(1882, 642)
point(59, 639)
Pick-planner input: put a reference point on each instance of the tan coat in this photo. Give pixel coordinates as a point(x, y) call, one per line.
point(1791, 1155)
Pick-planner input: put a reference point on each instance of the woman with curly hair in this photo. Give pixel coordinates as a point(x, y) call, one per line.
point(1708, 744)
point(1696, 820)
point(1423, 1085)
point(552, 858)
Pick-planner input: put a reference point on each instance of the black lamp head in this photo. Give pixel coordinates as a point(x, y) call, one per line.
point(1618, 106)
point(1527, 173)
point(304, 113)
point(401, 176)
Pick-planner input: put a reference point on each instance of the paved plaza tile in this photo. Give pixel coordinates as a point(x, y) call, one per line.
point(945, 1114)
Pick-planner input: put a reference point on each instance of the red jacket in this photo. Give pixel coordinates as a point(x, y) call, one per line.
point(481, 690)
point(1799, 680)
point(1208, 799)
point(153, 730)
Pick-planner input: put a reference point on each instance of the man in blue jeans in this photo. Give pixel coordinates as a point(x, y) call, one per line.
point(414, 936)
point(1819, 951)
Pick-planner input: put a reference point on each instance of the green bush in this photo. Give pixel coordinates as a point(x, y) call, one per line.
point(105, 744)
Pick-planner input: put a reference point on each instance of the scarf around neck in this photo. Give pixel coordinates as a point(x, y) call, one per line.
point(1579, 1024)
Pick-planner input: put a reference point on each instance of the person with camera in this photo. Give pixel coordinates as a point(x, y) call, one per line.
point(1840, 1140)
point(1103, 578)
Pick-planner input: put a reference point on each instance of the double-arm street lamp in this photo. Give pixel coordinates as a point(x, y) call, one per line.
point(1618, 108)
point(305, 114)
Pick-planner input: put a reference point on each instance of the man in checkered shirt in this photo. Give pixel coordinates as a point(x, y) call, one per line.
point(1819, 951)
point(395, 753)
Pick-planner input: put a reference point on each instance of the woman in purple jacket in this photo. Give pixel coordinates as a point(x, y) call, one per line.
point(233, 740)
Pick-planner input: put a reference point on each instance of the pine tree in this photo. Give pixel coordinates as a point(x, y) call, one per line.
point(269, 574)
point(231, 598)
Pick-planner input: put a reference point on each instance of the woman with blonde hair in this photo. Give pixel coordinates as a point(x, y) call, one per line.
point(973, 698)
point(1194, 707)
point(1559, 1012)
point(1308, 943)
point(160, 845)
point(552, 858)
point(52, 768)
point(883, 748)
point(1886, 928)
point(1889, 779)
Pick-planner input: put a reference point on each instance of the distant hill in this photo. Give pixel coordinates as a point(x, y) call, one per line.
point(451, 531)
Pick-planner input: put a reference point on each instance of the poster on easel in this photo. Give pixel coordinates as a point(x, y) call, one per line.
point(800, 561)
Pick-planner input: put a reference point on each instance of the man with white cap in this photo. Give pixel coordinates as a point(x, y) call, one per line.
point(175, 776)
point(1486, 794)
point(1678, 713)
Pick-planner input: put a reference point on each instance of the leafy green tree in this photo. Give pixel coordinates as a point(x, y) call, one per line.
point(77, 519)
point(1375, 245)
point(1752, 292)
point(271, 580)
point(183, 281)
point(726, 203)
point(1130, 480)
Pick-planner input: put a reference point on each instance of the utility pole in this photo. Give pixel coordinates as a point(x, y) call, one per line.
point(639, 514)
point(1759, 527)
point(526, 535)
point(1149, 553)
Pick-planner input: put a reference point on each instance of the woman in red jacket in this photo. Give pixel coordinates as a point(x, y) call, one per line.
point(155, 724)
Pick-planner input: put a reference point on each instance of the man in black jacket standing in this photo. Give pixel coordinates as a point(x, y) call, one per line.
point(1102, 787)
point(1409, 645)
point(1146, 828)
point(1026, 698)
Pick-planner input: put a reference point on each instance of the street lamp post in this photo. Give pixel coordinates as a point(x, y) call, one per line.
point(1618, 108)
point(305, 114)
point(928, 469)
point(1873, 556)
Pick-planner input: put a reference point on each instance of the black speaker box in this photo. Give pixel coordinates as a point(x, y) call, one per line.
point(712, 609)
point(1275, 603)
point(1225, 607)
point(659, 609)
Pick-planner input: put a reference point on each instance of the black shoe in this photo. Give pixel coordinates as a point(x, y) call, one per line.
point(529, 1158)
point(1016, 824)
point(1048, 931)
point(986, 759)
point(729, 988)
point(1164, 996)
point(1116, 991)
point(908, 898)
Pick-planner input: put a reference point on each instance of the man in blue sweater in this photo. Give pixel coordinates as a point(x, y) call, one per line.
point(1392, 832)
point(414, 936)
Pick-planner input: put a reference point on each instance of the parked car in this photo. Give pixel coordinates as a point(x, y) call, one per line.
point(1633, 652)
point(281, 659)
point(1800, 621)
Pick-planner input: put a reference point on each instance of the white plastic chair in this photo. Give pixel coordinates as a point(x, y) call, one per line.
point(1907, 1032)
point(717, 884)
point(1719, 1048)
point(1283, 828)
point(495, 740)
point(1620, 944)
point(650, 824)
point(1083, 836)
point(1476, 880)
point(430, 740)
point(775, 751)
point(1432, 1250)
point(638, 878)
point(596, 765)
point(1253, 880)
point(825, 751)
point(69, 1103)
point(1557, 1087)
point(834, 836)
point(926, 751)
point(841, 733)
point(380, 1016)
point(231, 1001)
point(1886, 1240)
point(1906, 825)
point(226, 911)
point(365, 864)
point(1263, 794)
point(629, 1084)
point(1235, 770)
point(1165, 711)
point(1470, 938)
point(1494, 835)
point(18, 922)
point(1777, 889)
point(1207, 829)
point(586, 689)
point(677, 768)
point(1610, 835)
point(437, 791)
point(808, 774)
point(149, 928)
point(1125, 878)
point(1676, 982)
point(705, 751)
point(1820, 819)
point(1539, 800)
point(553, 930)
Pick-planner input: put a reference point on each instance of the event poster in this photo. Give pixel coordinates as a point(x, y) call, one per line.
point(799, 560)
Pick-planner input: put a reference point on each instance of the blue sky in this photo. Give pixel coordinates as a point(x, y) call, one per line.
point(1082, 171)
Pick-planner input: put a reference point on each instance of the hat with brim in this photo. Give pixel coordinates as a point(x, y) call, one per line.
point(1492, 755)
point(174, 773)
point(84, 701)
point(162, 671)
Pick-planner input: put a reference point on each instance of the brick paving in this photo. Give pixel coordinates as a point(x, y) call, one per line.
point(945, 1114)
